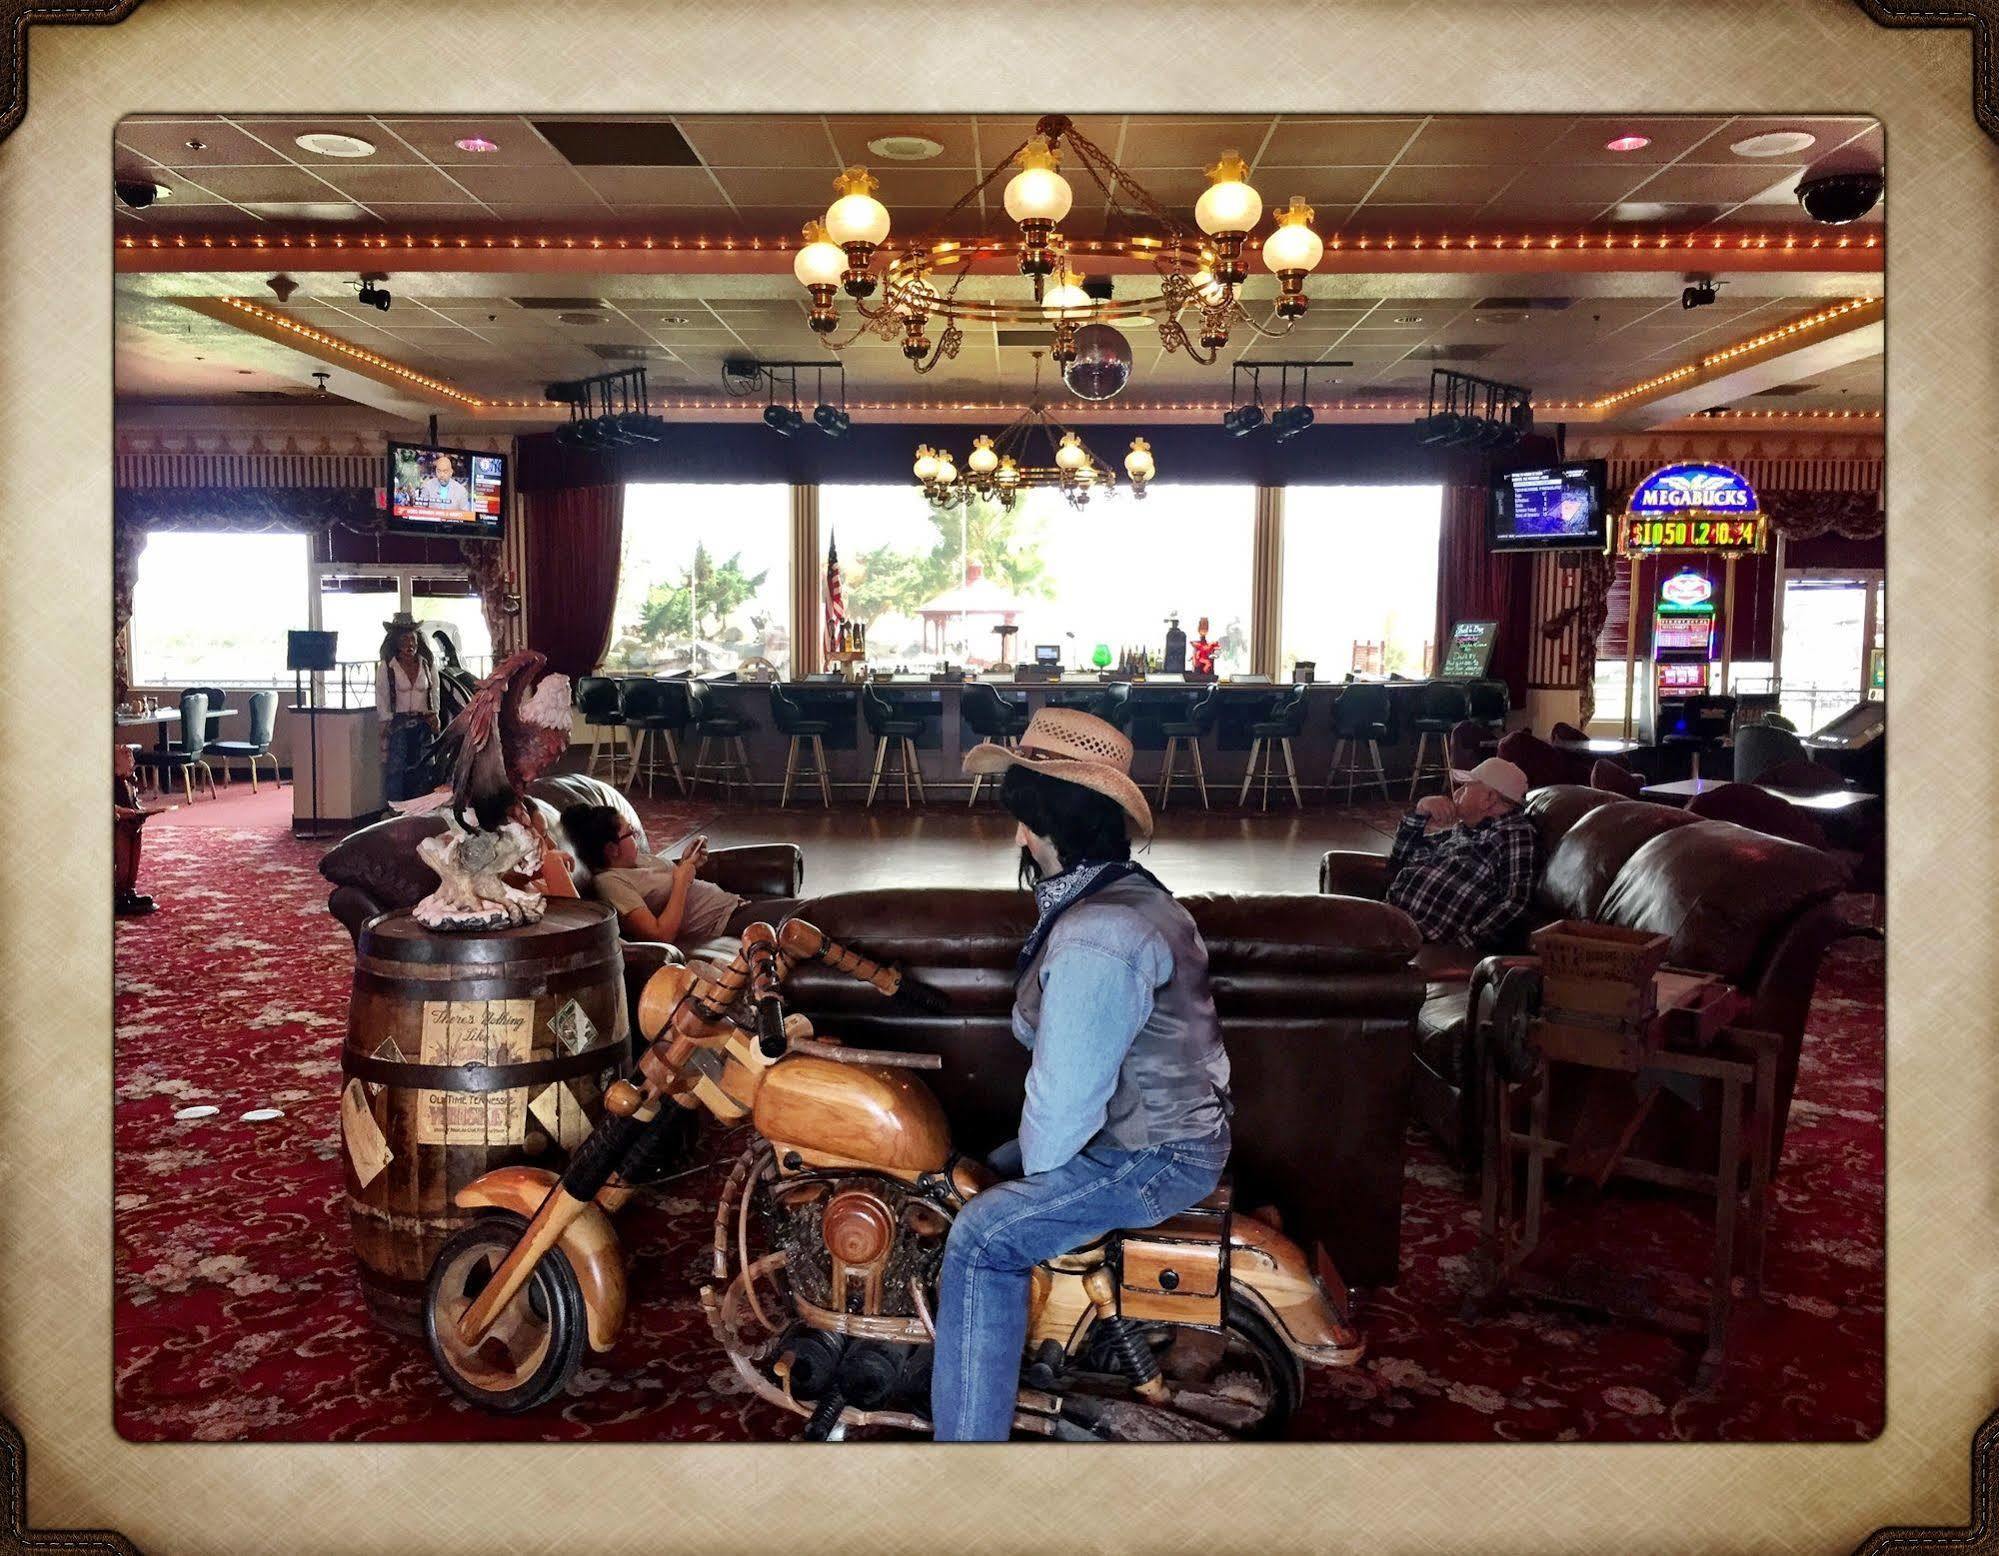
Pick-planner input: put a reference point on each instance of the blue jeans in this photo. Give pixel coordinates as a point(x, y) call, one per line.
point(404, 772)
point(1004, 1232)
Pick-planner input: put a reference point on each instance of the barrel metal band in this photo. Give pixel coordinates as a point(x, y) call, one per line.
point(476, 1077)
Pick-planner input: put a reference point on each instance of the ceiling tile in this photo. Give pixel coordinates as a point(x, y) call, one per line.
point(281, 132)
point(850, 135)
point(1701, 183)
point(436, 140)
point(243, 184)
point(165, 141)
point(517, 186)
point(1345, 142)
point(1485, 139)
point(807, 190)
point(684, 186)
point(798, 141)
point(401, 185)
point(1405, 184)
point(1584, 141)
point(1153, 143)
point(1322, 187)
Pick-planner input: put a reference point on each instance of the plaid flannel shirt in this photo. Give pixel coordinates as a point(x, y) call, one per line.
point(1466, 884)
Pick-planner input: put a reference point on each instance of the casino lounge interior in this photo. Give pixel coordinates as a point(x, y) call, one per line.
point(1322, 460)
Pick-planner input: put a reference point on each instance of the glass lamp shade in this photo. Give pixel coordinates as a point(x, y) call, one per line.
point(926, 464)
point(1069, 455)
point(1294, 246)
point(1009, 472)
point(1206, 287)
point(820, 262)
point(1138, 463)
point(1038, 192)
point(1228, 204)
point(947, 472)
point(1066, 295)
point(857, 218)
point(982, 460)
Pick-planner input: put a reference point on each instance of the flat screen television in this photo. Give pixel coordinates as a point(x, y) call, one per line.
point(1550, 508)
point(458, 492)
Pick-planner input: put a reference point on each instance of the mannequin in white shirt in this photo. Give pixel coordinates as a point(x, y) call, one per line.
point(406, 697)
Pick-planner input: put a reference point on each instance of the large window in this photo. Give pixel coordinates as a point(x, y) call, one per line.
point(933, 585)
point(705, 579)
point(1360, 578)
point(213, 609)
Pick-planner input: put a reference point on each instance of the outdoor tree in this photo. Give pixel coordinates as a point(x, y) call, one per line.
point(696, 603)
point(1005, 542)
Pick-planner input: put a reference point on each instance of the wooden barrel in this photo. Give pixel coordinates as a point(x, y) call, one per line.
point(467, 1052)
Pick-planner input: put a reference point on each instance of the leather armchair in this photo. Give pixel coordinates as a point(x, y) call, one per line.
point(1756, 910)
point(1318, 1003)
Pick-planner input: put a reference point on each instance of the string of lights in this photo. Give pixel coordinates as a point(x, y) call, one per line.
point(337, 242)
point(1740, 348)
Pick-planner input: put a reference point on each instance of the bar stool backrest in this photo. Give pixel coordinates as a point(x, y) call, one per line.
point(1362, 711)
point(1290, 712)
point(1444, 701)
point(664, 701)
point(876, 709)
point(193, 723)
point(597, 695)
point(785, 713)
point(1490, 701)
point(989, 714)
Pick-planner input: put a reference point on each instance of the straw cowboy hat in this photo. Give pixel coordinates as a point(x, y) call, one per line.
point(1078, 748)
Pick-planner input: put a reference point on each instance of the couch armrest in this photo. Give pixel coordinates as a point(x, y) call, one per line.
point(353, 906)
point(758, 870)
point(1345, 873)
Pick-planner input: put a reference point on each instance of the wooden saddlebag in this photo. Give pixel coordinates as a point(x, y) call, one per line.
point(1177, 1271)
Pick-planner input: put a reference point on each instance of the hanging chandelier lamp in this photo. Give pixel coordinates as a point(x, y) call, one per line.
point(1180, 269)
point(1000, 467)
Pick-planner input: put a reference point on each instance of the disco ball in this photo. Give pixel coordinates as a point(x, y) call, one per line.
point(1103, 363)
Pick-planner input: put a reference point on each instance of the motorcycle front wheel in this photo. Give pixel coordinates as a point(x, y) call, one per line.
point(535, 1345)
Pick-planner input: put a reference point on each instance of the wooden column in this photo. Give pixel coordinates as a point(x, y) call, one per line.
point(1266, 588)
point(808, 613)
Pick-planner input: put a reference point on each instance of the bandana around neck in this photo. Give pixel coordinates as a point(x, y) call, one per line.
point(1058, 893)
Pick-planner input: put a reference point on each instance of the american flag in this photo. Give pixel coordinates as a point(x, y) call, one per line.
point(836, 603)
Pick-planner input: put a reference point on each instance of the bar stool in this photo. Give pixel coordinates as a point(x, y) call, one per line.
point(1490, 702)
point(712, 724)
point(887, 724)
point(1285, 719)
point(653, 712)
point(992, 717)
point(790, 720)
point(1438, 706)
point(1360, 716)
point(1196, 718)
point(597, 701)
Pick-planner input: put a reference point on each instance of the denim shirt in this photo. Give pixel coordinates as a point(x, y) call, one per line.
point(1098, 978)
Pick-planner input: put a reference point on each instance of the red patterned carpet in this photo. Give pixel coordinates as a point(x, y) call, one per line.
point(238, 1316)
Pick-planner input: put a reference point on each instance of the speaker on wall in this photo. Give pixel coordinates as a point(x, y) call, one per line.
point(310, 650)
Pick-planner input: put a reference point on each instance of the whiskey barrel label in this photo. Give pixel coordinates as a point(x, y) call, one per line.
point(487, 1033)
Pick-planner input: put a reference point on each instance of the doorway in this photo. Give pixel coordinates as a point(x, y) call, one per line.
point(1831, 644)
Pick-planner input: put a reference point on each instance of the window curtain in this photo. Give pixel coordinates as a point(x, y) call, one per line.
point(574, 540)
point(1474, 584)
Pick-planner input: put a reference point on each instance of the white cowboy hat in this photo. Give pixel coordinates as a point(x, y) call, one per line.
point(1078, 748)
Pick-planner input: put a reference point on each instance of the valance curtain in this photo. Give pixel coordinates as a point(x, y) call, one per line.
point(1474, 584)
point(575, 539)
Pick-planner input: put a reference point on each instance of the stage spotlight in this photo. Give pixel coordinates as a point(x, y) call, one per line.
point(831, 420)
point(1699, 295)
point(1290, 421)
point(782, 419)
point(1243, 420)
point(373, 296)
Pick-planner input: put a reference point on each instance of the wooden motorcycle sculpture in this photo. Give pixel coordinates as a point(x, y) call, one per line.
point(829, 1236)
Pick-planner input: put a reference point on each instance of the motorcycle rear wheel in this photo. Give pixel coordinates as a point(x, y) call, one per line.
point(1246, 1364)
point(535, 1345)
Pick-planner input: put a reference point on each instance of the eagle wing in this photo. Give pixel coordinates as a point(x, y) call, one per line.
point(483, 778)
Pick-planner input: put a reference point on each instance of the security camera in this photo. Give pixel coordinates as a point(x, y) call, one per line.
point(138, 193)
point(1838, 198)
point(282, 287)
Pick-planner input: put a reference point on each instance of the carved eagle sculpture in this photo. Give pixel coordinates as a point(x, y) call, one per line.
point(514, 729)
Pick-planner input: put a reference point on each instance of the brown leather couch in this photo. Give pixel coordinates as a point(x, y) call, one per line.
point(1756, 910)
point(1318, 1001)
point(377, 869)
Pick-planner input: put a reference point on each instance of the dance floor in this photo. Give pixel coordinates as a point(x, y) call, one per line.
point(238, 1316)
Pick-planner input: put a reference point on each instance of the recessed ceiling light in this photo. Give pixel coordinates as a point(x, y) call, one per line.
point(328, 145)
point(1628, 143)
point(476, 143)
point(1778, 143)
point(1408, 318)
point(195, 145)
point(161, 192)
point(905, 148)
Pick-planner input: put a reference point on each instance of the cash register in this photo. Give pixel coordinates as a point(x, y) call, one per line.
point(1047, 666)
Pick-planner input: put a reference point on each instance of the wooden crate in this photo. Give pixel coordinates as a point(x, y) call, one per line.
point(1582, 950)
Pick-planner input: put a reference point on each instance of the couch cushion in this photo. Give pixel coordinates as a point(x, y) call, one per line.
point(1719, 890)
point(1590, 855)
point(1440, 1032)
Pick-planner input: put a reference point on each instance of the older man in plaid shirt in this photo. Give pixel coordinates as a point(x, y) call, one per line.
point(1463, 867)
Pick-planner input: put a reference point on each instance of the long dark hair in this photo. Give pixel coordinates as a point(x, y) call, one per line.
point(592, 831)
point(1086, 827)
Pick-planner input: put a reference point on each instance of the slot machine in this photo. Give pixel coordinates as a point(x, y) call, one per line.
point(1685, 619)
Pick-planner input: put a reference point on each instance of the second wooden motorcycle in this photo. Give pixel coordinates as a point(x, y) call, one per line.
point(829, 1235)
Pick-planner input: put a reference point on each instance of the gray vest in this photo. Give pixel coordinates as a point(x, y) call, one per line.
point(1174, 1083)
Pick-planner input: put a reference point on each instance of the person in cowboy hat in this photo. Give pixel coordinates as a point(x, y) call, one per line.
point(1463, 866)
point(1126, 1115)
point(406, 697)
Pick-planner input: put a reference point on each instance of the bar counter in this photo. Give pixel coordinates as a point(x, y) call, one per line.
point(850, 748)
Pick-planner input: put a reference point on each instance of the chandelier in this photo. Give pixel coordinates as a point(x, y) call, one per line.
point(1184, 269)
point(1000, 467)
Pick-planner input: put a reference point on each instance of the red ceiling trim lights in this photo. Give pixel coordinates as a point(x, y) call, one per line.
point(1741, 348)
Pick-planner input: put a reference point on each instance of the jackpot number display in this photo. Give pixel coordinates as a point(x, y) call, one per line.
point(1693, 534)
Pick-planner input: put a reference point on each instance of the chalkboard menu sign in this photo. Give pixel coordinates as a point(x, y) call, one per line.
point(1469, 649)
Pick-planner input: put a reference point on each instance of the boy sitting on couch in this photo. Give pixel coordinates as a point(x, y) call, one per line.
point(654, 898)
